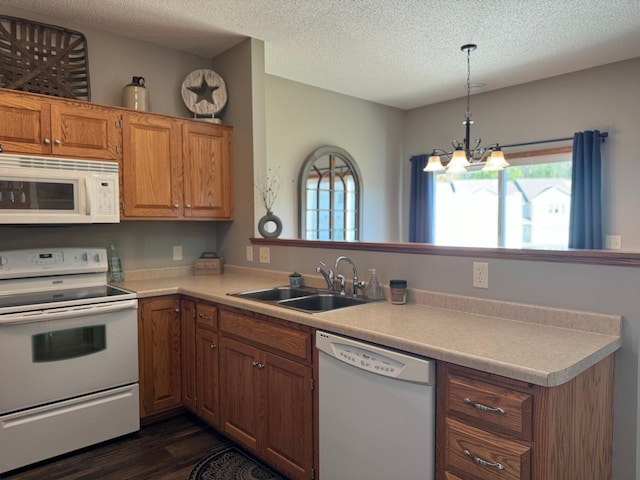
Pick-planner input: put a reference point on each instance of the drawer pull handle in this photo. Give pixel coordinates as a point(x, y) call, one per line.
point(258, 365)
point(206, 317)
point(481, 462)
point(484, 408)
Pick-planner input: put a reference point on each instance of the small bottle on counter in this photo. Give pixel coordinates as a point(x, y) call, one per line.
point(115, 264)
point(398, 289)
point(373, 290)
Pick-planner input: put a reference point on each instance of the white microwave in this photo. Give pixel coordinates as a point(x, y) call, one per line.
point(47, 190)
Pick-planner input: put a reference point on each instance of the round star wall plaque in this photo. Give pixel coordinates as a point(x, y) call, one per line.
point(204, 93)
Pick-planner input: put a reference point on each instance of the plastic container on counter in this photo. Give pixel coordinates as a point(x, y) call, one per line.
point(398, 291)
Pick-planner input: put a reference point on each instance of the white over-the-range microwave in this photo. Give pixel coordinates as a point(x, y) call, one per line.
point(48, 190)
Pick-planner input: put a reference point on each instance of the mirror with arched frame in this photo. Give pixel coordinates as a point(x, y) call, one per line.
point(330, 196)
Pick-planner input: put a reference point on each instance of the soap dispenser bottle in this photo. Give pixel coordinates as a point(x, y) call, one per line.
point(373, 291)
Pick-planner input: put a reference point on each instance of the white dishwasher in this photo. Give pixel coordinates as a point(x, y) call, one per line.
point(376, 412)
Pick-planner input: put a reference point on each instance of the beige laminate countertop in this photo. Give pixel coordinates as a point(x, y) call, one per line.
point(540, 345)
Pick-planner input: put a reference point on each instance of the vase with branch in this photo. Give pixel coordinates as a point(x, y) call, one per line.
point(268, 190)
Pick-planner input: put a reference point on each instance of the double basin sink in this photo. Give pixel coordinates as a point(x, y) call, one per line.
point(308, 300)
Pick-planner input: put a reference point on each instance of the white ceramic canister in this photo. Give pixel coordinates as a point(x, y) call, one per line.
point(135, 95)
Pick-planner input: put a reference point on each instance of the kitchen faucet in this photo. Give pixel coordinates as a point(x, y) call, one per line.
point(356, 284)
point(328, 275)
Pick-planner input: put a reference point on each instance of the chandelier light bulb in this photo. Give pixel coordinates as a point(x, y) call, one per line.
point(434, 164)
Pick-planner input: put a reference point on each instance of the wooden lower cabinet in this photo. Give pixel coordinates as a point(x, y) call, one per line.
point(188, 337)
point(494, 428)
point(159, 354)
point(200, 359)
point(267, 390)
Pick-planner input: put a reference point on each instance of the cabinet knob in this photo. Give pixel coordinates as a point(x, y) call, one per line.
point(47, 141)
point(212, 347)
point(177, 310)
point(57, 142)
point(188, 205)
point(175, 205)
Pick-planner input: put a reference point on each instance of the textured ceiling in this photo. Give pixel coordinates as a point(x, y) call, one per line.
point(403, 53)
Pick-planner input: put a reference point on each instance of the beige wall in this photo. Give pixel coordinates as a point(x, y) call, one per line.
point(386, 138)
point(113, 61)
point(604, 98)
point(301, 118)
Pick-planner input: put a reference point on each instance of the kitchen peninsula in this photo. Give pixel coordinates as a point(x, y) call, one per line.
point(537, 360)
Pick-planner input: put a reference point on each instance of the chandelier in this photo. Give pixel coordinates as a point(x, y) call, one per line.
point(463, 155)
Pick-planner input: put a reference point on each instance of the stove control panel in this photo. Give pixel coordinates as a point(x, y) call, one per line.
point(58, 261)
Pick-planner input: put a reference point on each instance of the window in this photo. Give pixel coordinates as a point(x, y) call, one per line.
point(330, 195)
point(526, 205)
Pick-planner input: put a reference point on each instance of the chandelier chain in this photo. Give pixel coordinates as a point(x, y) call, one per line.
point(468, 83)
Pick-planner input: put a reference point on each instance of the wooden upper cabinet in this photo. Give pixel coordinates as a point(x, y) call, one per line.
point(206, 157)
point(84, 130)
point(38, 125)
point(176, 169)
point(151, 166)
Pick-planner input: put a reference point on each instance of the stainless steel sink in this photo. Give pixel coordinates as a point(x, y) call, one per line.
point(304, 299)
point(322, 302)
point(276, 294)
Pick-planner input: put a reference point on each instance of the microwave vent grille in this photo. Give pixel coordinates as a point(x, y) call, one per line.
point(64, 164)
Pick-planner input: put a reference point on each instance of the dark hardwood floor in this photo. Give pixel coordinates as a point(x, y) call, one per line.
point(166, 450)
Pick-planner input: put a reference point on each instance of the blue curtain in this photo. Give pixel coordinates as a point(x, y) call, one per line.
point(585, 221)
point(421, 201)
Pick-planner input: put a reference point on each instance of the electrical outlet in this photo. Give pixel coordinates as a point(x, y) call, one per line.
point(480, 275)
point(177, 252)
point(264, 255)
point(613, 242)
point(249, 253)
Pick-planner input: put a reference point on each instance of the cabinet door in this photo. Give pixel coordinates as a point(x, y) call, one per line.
point(206, 157)
point(161, 363)
point(188, 334)
point(288, 422)
point(24, 124)
point(239, 394)
point(151, 166)
point(84, 130)
point(207, 367)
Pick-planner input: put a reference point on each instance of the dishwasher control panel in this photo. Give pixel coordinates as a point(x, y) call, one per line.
point(368, 360)
point(376, 359)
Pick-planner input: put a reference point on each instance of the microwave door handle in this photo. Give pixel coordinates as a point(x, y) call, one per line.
point(87, 194)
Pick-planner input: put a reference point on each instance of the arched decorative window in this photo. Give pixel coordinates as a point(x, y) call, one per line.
point(330, 196)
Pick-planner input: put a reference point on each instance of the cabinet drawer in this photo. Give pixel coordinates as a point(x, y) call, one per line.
point(451, 476)
point(263, 333)
point(490, 406)
point(207, 316)
point(484, 455)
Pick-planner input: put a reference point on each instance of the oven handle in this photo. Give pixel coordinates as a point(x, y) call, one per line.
point(66, 312)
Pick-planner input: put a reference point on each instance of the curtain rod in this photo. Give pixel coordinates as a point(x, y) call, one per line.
point(603, 135)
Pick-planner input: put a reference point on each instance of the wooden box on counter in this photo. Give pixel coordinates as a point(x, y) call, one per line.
point(208, 266)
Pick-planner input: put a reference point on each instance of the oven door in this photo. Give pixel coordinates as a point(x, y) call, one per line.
point(56, 354)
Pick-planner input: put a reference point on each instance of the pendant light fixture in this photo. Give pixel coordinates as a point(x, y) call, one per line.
point(463, 155)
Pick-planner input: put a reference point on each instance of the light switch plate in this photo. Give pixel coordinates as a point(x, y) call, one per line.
point(177, 252)
point(264, 255)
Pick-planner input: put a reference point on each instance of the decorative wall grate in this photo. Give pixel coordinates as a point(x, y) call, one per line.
point(40, 58)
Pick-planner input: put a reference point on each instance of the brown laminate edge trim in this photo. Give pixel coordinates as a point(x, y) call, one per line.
point(587, 257)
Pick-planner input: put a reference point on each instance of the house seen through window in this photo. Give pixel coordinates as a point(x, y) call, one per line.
point(526, 205)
